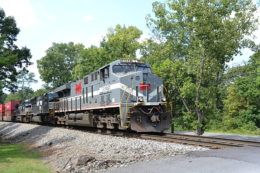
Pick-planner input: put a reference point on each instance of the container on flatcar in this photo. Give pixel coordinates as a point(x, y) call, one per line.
point(10, 108)
point(2, 111)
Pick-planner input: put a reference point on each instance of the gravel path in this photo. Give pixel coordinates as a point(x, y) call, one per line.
point(76, 151)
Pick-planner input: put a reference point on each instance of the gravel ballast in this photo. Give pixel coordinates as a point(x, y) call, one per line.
point(69, 150)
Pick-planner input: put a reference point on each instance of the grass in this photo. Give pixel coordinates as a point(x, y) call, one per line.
point(16, 159)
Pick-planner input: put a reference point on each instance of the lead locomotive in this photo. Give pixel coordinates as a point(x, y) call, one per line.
point(124, 94)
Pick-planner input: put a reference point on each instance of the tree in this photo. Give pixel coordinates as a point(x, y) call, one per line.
point(201, 36)
point(91, 59)
point(20, 95)
point(56, 66)
point(2, 97)
point(24, 79)
point(39, 92)
point(241, 105)
point(12, 58)
point(24, 91)
point(120, 42)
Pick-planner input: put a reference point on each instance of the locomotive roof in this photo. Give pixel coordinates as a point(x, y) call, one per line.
point(62, 87)
point(116, 62)
point(126, 61)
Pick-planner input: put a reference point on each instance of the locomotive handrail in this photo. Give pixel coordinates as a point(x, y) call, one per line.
point(127, 99)
point(170, 103)
point(121, 105)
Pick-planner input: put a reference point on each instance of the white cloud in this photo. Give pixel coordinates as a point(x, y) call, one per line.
point(21, 10)
point(88, 18)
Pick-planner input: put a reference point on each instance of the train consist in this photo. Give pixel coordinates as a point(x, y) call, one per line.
point(124, 94)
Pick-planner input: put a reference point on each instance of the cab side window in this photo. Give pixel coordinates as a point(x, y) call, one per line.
point(104, 73)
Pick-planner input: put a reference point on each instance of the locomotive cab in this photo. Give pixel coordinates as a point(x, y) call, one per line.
point(142, 103)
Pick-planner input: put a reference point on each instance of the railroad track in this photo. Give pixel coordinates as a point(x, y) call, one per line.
point(203, 141)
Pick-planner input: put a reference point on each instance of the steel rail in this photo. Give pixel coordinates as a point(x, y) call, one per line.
point(215, 139)
point(210, 142)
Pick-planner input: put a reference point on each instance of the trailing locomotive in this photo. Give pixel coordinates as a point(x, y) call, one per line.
point(124, 94)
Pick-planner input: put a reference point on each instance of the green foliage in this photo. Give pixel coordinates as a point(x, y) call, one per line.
point(24, 79)
point(12, 58)
point(2, 94)
point(20, 95)
point(120, 42)
point(24, 92)
point(91, 59)
point(39, 92)
point(15, 159)
point(241, 106)
point(56, 66)
point(197, 38)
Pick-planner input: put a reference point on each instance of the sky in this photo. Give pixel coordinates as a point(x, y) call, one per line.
point(43, 22)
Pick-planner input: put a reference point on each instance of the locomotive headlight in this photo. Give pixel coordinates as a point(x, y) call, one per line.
point(163, 99)
point(140, 99)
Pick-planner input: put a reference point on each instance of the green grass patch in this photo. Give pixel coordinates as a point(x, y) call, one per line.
point(16, 159)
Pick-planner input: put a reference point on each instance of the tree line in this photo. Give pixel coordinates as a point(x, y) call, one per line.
point(190, 46)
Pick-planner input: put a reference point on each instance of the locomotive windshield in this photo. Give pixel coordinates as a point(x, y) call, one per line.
point(130, 68)
point(27, 104)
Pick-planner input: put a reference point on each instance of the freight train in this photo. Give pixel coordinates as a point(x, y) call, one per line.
point(124, 94)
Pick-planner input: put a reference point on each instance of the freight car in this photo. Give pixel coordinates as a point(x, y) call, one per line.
point(124, 94)
point(8, 111)
point(2, 111)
